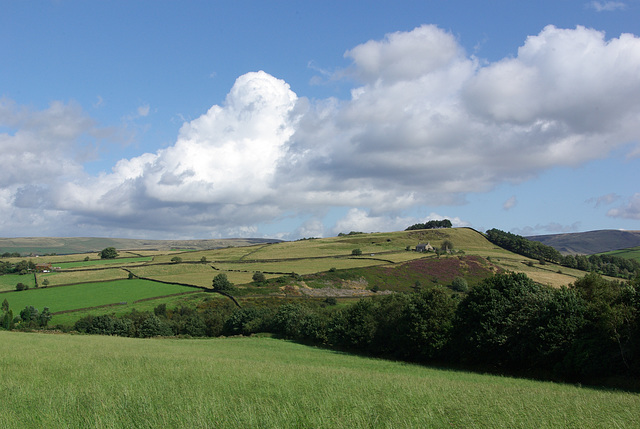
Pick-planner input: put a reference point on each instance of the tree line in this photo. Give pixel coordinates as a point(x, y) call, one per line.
point(613, 266)
point(432, 224)
point(507, 324)
point(22, 267)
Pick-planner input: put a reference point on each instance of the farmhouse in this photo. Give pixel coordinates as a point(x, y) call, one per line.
point(44, 267)
point(424, 248)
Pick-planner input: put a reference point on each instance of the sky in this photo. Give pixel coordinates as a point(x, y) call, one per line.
point(291, 119)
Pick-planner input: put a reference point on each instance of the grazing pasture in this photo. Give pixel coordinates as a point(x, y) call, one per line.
point(9, 281)
point(96, 381)
point(87, 276)
point(85, 295)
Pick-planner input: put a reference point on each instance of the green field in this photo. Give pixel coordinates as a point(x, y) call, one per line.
point(89, 295)
point(111, 382)
point(630, 253)
point(9, 281)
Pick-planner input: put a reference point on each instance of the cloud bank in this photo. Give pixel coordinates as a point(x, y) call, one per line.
point(426, 125)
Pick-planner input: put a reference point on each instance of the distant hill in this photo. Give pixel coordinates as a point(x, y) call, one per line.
point(66, 245)
point(590, 242)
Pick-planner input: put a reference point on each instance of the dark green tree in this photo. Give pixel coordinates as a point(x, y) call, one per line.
point(356, 252)
point(222, 284)
point(108, 253)
point(258, 277)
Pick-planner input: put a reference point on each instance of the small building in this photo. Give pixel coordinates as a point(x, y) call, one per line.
point(44, 267)
point(424, 248)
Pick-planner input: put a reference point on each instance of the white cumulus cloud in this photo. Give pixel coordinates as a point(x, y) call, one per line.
point(426, 125)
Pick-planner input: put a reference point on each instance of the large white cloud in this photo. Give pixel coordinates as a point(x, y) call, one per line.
point(427, 125)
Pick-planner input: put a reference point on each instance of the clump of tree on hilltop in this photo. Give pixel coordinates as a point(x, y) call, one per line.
point(432, 224)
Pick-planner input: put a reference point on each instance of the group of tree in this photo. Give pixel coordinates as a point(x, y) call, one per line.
point(507, 324)
point(432, 224)
point(29, 317)
point(22, 267)
point(520, 245)
point(10, 255)
point(608, 265)
point(613, 266)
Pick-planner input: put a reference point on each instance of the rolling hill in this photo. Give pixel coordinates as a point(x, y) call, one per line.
point(590, 242)
point(67, 245)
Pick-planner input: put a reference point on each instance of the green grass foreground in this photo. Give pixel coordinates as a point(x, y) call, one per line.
point(110, 382)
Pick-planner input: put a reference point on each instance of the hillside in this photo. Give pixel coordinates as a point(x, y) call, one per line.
point(67, 245)
point(590, 242)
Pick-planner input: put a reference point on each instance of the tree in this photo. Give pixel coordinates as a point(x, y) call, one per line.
point(176, 259)
point(203, 259)
point(356, 252)
point(44, 317)
point(447, 246)
point(258, 277)
point(222, 284)
point(108, 253)
point(5, 305)
point(21, 286)
point(45, 282)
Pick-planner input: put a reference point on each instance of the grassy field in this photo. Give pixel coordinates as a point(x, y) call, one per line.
point(89, 295)
point(68, 277)
point(110, 382)
point(9, 281)
point(101, 262)
point(630, 253)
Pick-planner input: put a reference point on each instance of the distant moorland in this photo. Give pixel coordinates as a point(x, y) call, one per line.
point(590, 242)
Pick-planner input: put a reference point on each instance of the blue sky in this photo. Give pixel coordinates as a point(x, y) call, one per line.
point(291, 119)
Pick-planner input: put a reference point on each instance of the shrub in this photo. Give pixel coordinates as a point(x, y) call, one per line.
point(21, 286)
point(176, 259)
point(258, 277)
point(356, 252)
point(459, 284)
point(331, 301)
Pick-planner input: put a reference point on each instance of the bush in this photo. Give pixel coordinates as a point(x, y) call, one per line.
point(356, 252)
point(459, 284)
point(176, 259)
point(331, 301)
point(21, 286)
point(258, 277)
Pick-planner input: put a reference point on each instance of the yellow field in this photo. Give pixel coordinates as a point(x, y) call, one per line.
point(82, 276)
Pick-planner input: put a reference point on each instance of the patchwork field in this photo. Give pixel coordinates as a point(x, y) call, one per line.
point(326, 264)
point(97, 381)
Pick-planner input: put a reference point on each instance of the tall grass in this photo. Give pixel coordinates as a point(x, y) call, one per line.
point(110, 382)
